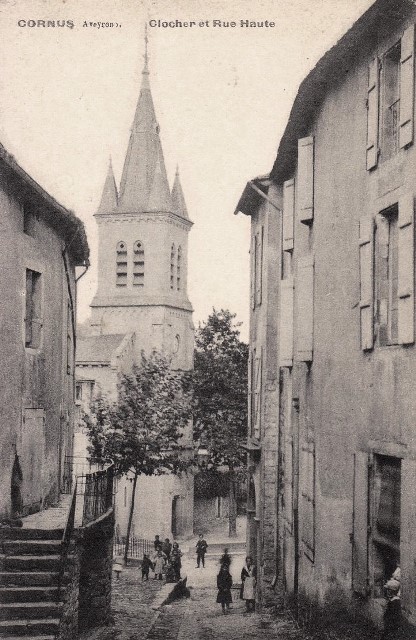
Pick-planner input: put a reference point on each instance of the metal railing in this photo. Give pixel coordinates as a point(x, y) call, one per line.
point(77, 467)
point(137, 547)
point(98, 494)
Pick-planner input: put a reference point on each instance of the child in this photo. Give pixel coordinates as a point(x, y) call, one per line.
point(159, 564)
point(224, 584)
point(248, 584)
point(146, 565)
point(392, 613)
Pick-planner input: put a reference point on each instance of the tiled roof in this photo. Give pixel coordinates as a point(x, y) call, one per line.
point(98, 348)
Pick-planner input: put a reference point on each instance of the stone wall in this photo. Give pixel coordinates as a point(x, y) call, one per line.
point(68, 628)
point(95, 572)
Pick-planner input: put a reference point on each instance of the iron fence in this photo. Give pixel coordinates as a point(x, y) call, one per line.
point(98, 494)
point(137, 547)
point(77, 467)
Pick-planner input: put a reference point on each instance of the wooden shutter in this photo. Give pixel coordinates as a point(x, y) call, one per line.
point(32, 455)
point(366, 262)
point(408, 538)
point(29, 307)
point(407, 87)
point(288, 214)
point(307, 492)
point(372, 114)
point(360, 524)
point(406, 277)
point(286, 323)
point(253, 272)
point(304, 298)
point(305, 178)
point(250, 393)
point(257, 394)
point(259, 266)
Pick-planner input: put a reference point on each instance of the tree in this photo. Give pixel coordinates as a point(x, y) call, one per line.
point(141, 432)
point(220, 398)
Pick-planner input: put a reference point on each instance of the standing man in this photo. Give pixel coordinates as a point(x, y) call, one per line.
point(201, 548)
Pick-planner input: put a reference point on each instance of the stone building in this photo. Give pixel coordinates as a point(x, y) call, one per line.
point(333, 425)
point(142, 301)
point(43, 243)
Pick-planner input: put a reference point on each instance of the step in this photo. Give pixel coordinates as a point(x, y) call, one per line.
point(14, 533)
point(32, 637)
point(28, 578)
point(28, 594)
point(31, 563)
point(29, 610)
point(31, 547)
point(41, 626)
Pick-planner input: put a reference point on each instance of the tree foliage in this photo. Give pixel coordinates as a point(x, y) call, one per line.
point(220, 389)
point(142, 432)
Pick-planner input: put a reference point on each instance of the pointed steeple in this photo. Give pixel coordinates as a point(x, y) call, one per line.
point(159, 197)
point(144, 158)
point(109, 196)
point(178, 199)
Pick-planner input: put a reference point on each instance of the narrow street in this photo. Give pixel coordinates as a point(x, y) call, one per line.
point(137, 615)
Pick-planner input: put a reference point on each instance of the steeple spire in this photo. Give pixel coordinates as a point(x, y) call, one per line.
point(144, 154)
point(109, 196)
point(178, 199)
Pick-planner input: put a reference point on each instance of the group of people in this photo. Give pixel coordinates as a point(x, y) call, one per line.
point(225, 582)
point(166, 560)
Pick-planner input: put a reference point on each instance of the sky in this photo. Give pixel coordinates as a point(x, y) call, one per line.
point(222, 96)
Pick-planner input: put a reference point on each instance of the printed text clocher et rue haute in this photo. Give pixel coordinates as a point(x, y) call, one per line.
point(173, 24)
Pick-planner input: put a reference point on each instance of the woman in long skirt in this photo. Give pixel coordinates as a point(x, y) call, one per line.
point(248, 584)
point(224, 584)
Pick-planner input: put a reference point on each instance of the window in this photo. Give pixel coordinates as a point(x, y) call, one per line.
point(386, 489)
point(305, 308)
point(78, 391)
point(172, 267)
point(138, 264)
point(390, 100)
point(386, 268)
point(390, 103)
point(29, 218)
point(33, 320)
point(121, 264)
point(178, 269)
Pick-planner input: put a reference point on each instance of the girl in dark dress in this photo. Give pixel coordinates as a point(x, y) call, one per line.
point(224, 584)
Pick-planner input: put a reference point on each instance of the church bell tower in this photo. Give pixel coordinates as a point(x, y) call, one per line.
point(143, 246)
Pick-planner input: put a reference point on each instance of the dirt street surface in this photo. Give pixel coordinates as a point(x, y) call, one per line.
point(194, 618)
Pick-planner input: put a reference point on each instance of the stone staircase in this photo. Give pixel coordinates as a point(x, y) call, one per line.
point(29, 572)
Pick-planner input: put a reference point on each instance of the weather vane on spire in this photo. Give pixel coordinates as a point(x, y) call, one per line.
point(146, 55)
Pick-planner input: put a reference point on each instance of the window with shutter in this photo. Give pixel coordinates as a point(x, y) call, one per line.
point(390, 103)
point(251, 357)
point(372, 113)
point(286, 322)
point(304, 300)
point(407, 87)
point(406, 270)
point(408, 538)
point(305, 179)
point(366, 260)
point(288, 214)
point(360, 576)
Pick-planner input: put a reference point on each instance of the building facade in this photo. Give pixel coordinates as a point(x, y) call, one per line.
point(341, 195)
point(43, 243)
point(142, 292)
